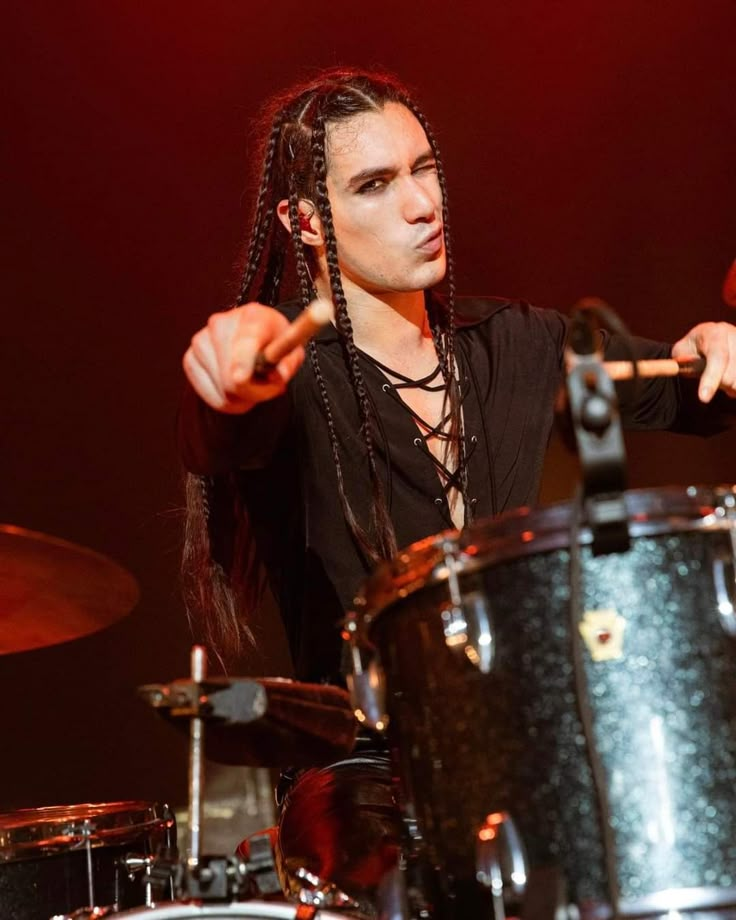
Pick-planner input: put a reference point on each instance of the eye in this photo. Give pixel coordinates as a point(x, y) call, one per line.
point(430, 167)
point(373, 185)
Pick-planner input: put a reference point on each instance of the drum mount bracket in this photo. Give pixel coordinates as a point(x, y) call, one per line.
point(593, 408)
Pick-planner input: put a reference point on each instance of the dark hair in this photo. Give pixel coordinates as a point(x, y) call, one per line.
point(295, 166)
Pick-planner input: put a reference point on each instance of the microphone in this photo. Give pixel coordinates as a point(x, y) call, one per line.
point(729, 286)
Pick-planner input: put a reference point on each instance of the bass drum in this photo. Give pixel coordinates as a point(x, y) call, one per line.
point(59, 859)
point(255, 910)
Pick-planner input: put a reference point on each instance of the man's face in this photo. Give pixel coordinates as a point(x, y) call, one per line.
point(386, 202)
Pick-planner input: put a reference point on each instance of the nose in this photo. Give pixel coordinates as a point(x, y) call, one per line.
point(419, 203)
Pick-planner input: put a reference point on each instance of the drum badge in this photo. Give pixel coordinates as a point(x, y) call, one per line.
point(603, 633)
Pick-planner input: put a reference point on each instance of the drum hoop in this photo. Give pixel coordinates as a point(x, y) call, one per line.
point(30, 832)
point(256, 910)
point(425, 564)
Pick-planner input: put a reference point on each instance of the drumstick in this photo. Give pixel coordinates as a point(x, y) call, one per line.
point(655, 367)
point(317, 314)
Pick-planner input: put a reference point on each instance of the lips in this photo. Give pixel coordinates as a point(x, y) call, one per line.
point(432, 242)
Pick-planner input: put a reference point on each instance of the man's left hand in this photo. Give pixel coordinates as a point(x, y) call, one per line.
point(716, 342)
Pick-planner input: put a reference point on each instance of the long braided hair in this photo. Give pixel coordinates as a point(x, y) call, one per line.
point(220, 564)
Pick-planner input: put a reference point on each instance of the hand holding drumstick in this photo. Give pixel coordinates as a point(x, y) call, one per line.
point(248, 355)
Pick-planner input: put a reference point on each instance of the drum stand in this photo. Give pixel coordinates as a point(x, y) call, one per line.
point(238, 704)
point(198, 877)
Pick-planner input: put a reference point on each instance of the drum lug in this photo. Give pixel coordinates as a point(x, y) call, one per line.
point(501, 862)
point(365, 678)
point(466, 620)
point(724, 581)
point(724, 563)
point(87, 913)
point(316, 892)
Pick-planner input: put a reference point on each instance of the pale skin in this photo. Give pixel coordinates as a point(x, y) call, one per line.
point(387, 213)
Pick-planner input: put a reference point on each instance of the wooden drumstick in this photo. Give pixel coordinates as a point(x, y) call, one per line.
point(316, 315)
point(655, 367)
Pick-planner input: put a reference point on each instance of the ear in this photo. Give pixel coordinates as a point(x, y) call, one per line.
point(309, 222)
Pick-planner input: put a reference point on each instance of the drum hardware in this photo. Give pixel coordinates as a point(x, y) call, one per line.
point(199, 703)
point(217, 878)
point(88, 913)
point(466, 620)
point(244, 910)
point(661, 713)
point(501, 863)
point(365, 679)
point(131, 864)
point(724, 566)
point(79, 858)
point(393, 896)
point(318, 893)
point(264, 722)
point(596, 426)
point(53, 591)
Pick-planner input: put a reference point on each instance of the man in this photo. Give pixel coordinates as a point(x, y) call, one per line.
point(413, 414)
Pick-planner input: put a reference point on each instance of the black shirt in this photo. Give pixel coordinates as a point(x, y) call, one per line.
point(510, 359)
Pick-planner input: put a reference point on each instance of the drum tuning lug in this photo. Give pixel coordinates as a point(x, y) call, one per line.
point(466, 620)
point(366, 683)
point(316, 892)
point(724, 582)
point(501, 862)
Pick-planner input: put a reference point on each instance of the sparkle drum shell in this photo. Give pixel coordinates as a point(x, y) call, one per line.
point(53, 860)
point(608, 736)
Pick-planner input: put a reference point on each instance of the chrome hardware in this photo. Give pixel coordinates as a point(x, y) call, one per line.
point(87, 913)
point(724, 581)
point(391, 896)
point(501, 862)
point(196, 765)
point(316, 892)
point(466, 621)
point(133, 862)
point(724, 565)
point(365, 679)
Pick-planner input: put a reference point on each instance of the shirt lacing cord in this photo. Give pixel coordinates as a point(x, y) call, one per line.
point(450, 480)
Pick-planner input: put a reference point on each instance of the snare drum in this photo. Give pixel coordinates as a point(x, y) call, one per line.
point(602, 733)
point(55, 860)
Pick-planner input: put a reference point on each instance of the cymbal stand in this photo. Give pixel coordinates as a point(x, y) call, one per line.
point(199, 877)
point(198, 666)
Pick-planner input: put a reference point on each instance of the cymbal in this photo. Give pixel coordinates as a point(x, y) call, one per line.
point(53, 591)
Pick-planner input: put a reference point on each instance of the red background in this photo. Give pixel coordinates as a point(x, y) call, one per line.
point(590, 149)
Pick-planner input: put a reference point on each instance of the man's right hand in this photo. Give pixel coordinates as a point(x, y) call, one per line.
point(219, 362)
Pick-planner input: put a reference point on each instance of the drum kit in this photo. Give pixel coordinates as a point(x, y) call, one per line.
point(556, 688)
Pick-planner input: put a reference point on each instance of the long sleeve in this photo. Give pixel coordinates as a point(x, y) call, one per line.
point(211, 442)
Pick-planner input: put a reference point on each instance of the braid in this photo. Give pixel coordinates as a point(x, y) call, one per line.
point(380, 519)
point(263, 216)
point(268, 293)
point(306, 288)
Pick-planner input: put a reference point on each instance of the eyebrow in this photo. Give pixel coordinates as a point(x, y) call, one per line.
point(378, 172)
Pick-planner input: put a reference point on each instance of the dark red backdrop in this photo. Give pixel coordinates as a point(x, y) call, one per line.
point(590, 149)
